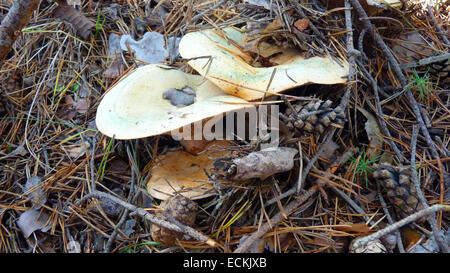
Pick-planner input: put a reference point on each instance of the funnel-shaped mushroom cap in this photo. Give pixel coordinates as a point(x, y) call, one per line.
point(230, 69)
point(135, 107)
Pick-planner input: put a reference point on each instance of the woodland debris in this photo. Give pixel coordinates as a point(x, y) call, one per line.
point(389, 229)
point(430, 245)
point(153, 219)
point(301, 24)
point(116, 66)
point(150, 49)
point(373, 133)
point(374, 246)
point(314, 116)
point(13, 23)
point(400, 190)
point(262, 164)
point(34, 190)
point(441, 72)
point(74, 247)
point(181, 209)
point(45, 58)
point(372, 7)
point(76, 19)
point(108, 206)
point(32, 220)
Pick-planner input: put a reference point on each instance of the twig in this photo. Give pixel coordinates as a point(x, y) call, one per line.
point(438, 139)
point(425, 61)
point(299, 9)
point(17, 17)
point(350, 53)
point(391, 228)
point(201, 14)
point(126, 211)
point(396, 67)
point(380, 112)
point(362, 34)
point(398, 236)
point(305, 172)
point(432, 217)
point(290, 208)
point(151, 218)
point(92, 162)
point(438, 27)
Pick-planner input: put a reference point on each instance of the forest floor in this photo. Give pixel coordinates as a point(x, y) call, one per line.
point(379, 169)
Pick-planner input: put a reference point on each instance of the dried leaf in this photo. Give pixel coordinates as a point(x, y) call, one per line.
point(34, 190)
point(149, 49)
point(430, 245)
point(411, 46)
point(82, 106)
point(264, 163)
point(72, 16)
point(74, 2)
point(110, 207)
point(373, 132)
point(128, 227)
point(361, 229)
point(276, 24)
point(32, 220)
point(73, 247)
point(389, 241)
point(78, 150)
point(260, 3)
point(119, 165)
point(410, 237)
point(257, 246)
point(19, 150)
point(301, 24)
point(281, 242)
point(114, 53)
point(374, 246)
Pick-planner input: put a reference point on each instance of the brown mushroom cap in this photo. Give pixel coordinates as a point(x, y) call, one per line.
point(177, 169)
point(229, 66)
point(135, 107)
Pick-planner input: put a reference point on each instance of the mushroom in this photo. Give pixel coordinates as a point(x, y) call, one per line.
point(229, 65)
point(180, 172)
point(154, 100)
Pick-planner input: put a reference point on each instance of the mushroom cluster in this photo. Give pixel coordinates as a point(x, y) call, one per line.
point(155, 99)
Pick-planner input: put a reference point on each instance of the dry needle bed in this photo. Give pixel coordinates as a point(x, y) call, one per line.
point(53, 80)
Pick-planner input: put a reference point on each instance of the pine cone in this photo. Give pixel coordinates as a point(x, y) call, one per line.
point(183, 210)
point(441, 70)
point(314, 122)
point(400, 190)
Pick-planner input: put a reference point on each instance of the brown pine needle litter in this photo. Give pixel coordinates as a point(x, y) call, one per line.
point(92, 190)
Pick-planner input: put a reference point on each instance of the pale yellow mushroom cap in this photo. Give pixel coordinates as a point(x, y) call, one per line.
point(135, 107)
point(230, 69)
